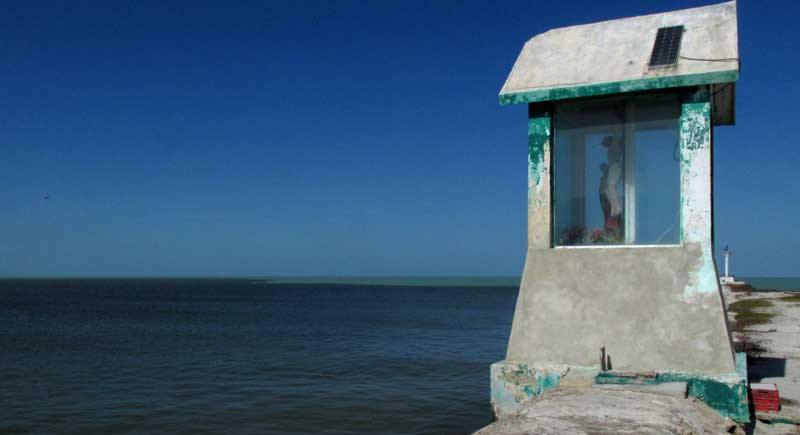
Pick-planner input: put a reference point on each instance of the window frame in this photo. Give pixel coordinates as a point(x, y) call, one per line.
point(627, 206)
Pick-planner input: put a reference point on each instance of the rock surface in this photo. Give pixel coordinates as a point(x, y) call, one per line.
point(611, 411)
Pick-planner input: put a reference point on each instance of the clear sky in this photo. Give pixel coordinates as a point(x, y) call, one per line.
point(326, 138)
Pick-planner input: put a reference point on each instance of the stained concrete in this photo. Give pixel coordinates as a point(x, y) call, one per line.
point(629, 300)
point(619, 50)
point(596, 410)
point(652, 307)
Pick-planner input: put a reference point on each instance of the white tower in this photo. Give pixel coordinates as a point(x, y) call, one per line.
point(727, 253)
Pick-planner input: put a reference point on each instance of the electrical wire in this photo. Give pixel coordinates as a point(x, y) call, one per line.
point(727, 59)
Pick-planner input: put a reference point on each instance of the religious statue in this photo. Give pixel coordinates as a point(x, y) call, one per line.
point(612, 174)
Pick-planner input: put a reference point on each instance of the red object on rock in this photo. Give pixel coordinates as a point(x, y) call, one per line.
point(765, 397)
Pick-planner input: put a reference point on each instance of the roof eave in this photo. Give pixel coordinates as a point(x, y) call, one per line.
point(598, 89)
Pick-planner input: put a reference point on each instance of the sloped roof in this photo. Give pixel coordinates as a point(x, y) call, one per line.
point(613, 56)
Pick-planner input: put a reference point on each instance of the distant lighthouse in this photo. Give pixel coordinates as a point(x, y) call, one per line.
point(727, 253)
point(727, 278)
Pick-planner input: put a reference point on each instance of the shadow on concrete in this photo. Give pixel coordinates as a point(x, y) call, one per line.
point(759, 368)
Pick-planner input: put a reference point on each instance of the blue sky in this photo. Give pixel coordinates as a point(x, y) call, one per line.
point(325, 138)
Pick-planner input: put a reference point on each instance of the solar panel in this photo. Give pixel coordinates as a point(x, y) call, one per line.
point(666, 47)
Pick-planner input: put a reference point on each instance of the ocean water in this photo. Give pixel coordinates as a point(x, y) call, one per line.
point(773, 283)
point(205, 356)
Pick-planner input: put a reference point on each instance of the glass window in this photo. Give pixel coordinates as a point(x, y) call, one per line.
point(617, 171)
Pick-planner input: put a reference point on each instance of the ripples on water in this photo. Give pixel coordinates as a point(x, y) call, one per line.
point(241, 356)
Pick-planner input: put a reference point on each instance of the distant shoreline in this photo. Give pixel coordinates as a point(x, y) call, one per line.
point(758, 283)
point(406, 281)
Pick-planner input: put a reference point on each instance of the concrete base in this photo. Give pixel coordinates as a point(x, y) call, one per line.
point(515, 385)
point(725, 393)
point(651, 308)
point(599, 410)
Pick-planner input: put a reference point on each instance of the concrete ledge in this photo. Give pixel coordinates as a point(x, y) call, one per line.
point(593, 411)
point(725, 393)
point(515, 385)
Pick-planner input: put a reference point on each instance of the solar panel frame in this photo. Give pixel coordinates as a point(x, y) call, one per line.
point(666, 47)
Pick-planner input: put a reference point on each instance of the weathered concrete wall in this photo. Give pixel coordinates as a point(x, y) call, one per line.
point(612, 57)
point(629, 300)
point(652, 308)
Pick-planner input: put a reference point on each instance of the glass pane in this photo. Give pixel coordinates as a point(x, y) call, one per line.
point(617, 171)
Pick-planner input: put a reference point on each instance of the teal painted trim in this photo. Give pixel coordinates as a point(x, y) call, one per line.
point(539, 175)
point(596, 89)
point(611, 378)
point(729, 400)
point(727, 394)
point(695, 135)
point(538, 140)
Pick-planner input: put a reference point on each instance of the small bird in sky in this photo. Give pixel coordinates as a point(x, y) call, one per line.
point(46, 196)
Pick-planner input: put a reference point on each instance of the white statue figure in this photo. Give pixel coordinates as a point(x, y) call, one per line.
point(612, 174)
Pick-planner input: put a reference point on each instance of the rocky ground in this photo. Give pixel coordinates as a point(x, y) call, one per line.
point(766, 325)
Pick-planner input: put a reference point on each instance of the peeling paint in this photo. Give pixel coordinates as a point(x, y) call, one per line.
point(539, 140)
point(695, 146)
point(726, 393)
point(538, 144)
point(591, 90)
point(696, 121)
point(515, 384)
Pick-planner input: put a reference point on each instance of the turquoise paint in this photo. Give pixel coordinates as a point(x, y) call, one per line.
point(688, 130)
point(729, 400)
point(611, 378)
point(539, 201)
point(695, 150)
point(727, 393)
point(514, 384)
point(645, 84)
point(548, 381)
point(538, 141)
point(695, 132)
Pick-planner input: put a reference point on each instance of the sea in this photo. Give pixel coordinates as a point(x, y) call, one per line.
point(250, 356)
point(253, 355)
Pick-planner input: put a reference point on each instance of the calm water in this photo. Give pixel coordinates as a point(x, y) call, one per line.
point(773, 283)
point(244, 356)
